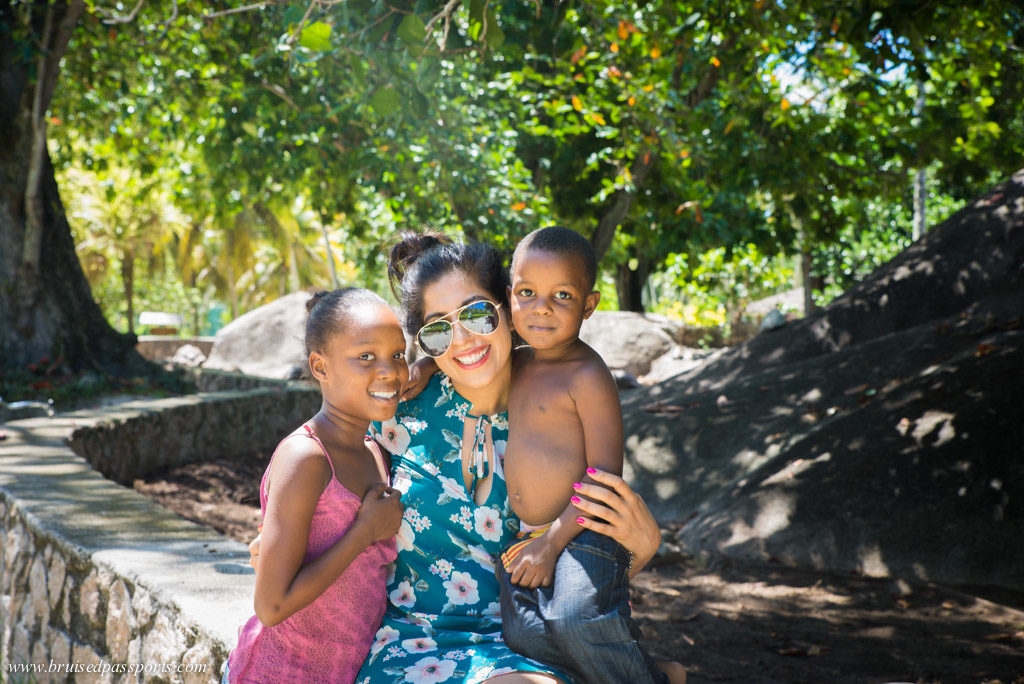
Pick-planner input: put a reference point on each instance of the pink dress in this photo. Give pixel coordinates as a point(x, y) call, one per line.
point(327, 640)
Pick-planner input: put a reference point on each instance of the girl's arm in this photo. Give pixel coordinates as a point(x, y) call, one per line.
point(297, 479)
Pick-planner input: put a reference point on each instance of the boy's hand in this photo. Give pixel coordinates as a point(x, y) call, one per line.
point(420, 372)
point(535, 565)
point(381, 512)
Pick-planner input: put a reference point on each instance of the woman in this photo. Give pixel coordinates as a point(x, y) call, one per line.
point(443, 620)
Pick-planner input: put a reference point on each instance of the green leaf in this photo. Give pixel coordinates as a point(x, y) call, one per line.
point(316, 37)
point(385, 101)
point(412, 30)
point(495, 36)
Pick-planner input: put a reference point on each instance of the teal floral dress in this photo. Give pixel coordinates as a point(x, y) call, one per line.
point(443, 622)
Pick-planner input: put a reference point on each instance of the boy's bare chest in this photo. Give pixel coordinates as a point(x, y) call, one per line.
point(541, 391)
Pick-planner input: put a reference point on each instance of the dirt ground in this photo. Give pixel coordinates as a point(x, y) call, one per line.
point(736, 622)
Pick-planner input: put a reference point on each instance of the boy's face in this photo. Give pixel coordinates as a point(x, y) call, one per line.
point(550, 298)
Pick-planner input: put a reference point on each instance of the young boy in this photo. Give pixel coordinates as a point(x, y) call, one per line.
point(564, 590)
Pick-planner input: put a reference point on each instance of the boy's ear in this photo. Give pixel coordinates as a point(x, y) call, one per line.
point(591, 303)
point(317, 367)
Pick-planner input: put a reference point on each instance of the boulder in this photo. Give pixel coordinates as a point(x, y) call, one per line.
point(629, 341)
point(189, 355)
point(880, 435)
point(267, 341)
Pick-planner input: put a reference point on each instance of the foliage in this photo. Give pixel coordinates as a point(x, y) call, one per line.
point(302, 136)
point(714, 287)
point(68, 390)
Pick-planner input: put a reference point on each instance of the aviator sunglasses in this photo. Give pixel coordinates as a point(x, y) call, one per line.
point(479, 317)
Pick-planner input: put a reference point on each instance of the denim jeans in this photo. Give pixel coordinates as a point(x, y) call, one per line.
point(581, 623)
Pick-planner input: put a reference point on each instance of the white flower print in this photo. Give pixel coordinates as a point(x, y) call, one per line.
point(493, 610)
point(431, 468)
point(419, 645)
point(487, 672)
point(392, 569)
point(483, 559)
point(442, 568)
point(385, 635)
point(456, 655)
point(429, 670)
point(417, 521)
point(461, 589)
point(402, 481)
point(453, 488)
point(488, 523)
point(406, 538)
point(499, 421)
point(458, 411)
point(413, 425)
point(403, 595)
point(499, 448)
point(394, 437)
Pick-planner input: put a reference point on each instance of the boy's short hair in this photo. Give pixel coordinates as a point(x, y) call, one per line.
point(561, 240)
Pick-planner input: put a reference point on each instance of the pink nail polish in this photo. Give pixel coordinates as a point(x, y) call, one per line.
point(576, 485)
point(575, 499)
point(591, 471)
point(579, 521)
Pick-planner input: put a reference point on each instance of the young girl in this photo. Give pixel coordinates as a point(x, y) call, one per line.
point(329, 516)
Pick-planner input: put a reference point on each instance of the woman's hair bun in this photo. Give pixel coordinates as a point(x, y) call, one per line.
point(409, 246)
point(316, 297)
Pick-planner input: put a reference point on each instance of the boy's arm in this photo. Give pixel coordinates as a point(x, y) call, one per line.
point(597, 404)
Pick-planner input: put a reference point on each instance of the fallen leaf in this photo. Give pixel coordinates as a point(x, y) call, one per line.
point(856, 390)
point(985, 349)
point(664, 408)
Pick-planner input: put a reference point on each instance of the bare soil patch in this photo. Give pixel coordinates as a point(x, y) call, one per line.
point(729, 621)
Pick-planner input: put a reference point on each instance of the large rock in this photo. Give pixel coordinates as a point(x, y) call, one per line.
point(881, 435)
point(267, 341)
point(629, 341)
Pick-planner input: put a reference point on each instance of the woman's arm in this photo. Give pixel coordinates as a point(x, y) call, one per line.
point(627, 518)
point(283, 584)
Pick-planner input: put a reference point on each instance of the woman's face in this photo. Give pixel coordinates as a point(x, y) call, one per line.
point(472, 361)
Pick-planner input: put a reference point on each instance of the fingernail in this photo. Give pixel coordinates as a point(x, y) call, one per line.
point(591, 471)
point(580, 521)
point(575, 499)
point(576, 485)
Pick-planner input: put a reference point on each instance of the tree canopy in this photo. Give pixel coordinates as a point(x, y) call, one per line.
point(293, 138)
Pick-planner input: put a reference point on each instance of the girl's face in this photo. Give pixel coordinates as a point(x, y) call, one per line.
point(363, 369)
point(472, 361)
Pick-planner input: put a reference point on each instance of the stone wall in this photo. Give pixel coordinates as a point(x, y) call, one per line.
point(191, 428)
point(160, 347)
point(97, 582)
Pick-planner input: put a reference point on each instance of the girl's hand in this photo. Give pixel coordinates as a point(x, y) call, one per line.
point(381, 512)
point(420, 372)
point(616, 511)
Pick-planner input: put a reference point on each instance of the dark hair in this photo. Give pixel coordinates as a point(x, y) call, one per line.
point(330, 312)
point(418, 260)
point(561, 240)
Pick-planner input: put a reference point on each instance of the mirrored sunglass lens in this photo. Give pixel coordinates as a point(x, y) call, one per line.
point(480, 318)
point(436, 337)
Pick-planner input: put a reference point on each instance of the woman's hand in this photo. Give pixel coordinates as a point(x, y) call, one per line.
point(420, 372)
point(616, 511)
point(254, 550)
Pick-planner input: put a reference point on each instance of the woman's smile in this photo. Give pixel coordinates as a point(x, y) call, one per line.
point(474, 358)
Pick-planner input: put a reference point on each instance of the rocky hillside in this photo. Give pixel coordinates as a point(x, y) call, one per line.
point(882, 435)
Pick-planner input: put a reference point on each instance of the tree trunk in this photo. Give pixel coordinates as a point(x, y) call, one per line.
point(629, 284)
point(128, 280)
point(46, 306)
